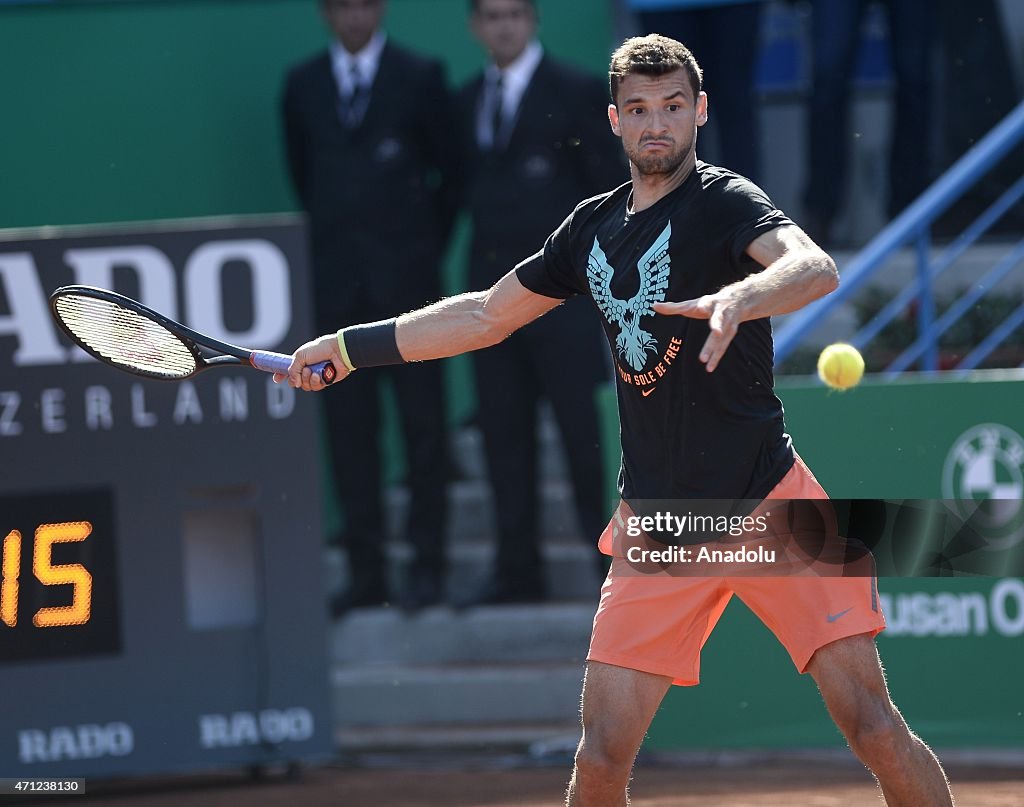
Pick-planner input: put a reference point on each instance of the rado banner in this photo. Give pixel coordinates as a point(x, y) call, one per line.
point(161, 606)
point(236, 285)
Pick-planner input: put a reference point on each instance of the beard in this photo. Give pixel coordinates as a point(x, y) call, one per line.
point(648, 164)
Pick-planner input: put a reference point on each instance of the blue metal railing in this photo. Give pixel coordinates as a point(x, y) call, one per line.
point(979, 289)
point(913, 226)
point(958, 247)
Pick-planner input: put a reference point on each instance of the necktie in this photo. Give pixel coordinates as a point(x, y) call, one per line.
point(498, 113)
point(355, 101)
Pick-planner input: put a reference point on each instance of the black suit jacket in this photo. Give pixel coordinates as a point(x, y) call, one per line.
point(381, 197)
point(559, 151)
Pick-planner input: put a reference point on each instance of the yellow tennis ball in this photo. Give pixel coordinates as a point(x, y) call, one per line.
point(840, 366)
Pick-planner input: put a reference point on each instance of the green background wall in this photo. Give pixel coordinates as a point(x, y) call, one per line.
point(148, 110)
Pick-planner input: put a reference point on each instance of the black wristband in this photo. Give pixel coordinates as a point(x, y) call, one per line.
point(372, 345)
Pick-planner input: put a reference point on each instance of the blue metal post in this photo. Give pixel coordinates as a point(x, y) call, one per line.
point(926, 302)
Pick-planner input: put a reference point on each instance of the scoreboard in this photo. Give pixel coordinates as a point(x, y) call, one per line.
point(161, 581)
point(47, 600)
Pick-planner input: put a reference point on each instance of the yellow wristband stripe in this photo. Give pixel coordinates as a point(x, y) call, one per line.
point(344, 351)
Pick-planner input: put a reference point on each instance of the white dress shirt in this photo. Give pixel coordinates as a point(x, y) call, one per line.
point(515, 79)
point(365, 63)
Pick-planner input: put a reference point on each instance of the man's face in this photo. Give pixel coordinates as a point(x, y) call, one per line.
point(504, 28)
point(657, 118)
point(353, 22)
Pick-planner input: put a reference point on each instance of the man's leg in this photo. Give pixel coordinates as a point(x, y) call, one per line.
point(419, 391)
point(618, 705)
point(835, 33)
point(576, 330)
point(355, 457)
point(849, 676)
point(507, 395)
point(912, 132)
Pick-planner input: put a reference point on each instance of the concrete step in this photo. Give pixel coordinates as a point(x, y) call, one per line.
point(537, 741)
point(385, 637)
point(901, 268)
point(448, 672)
point(386, 695)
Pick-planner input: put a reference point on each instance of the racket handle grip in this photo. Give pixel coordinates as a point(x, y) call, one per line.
point(279, 363)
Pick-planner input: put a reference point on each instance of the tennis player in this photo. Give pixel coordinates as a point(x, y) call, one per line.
point(699, 419)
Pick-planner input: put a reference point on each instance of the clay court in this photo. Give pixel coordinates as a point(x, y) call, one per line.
point(498, 783)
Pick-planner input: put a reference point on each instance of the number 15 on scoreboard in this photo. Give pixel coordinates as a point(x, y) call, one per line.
point(58, 585)
point(49, 574)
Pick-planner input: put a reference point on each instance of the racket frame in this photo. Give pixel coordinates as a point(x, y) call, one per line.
point(208, 351)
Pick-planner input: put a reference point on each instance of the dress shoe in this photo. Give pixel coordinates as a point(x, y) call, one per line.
point(501, 590)
point(358, 595)
point(422, 590)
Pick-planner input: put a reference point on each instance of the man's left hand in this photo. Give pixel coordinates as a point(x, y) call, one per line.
point(723, 315)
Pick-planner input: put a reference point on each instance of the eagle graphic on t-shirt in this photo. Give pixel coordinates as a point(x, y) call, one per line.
point(633, 343)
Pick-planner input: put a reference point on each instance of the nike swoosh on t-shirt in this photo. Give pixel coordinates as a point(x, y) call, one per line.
point(646, 392)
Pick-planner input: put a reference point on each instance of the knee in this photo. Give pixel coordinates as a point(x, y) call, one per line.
point(601, 758)
point(878, 735)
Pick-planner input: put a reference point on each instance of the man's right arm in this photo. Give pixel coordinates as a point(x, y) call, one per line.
point(455, 325)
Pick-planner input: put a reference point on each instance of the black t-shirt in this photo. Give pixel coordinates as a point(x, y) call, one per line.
point(685, 433)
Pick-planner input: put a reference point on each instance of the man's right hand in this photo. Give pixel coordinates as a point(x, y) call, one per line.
point(323, 349)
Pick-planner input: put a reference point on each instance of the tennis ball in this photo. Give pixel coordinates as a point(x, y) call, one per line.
point(840, 366)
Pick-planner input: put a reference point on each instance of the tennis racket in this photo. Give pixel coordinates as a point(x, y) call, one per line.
point(124, 333)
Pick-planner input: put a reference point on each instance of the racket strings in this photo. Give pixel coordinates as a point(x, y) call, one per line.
point(126, 337)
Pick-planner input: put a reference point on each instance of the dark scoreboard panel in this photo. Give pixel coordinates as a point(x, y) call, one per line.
point(161, 581)
point(58, 578)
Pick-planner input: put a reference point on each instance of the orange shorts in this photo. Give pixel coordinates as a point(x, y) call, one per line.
point(659, 624)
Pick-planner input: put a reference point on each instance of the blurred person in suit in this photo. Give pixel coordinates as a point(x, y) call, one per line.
point(835, 33)
point(372, 160)
point(727, 34)
point(536, 142)
point(973, 48)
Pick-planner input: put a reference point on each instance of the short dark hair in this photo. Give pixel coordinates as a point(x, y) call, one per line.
point(652, 55)
point(474, 5)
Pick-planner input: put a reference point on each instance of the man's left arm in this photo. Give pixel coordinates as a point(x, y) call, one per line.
point(796, 272)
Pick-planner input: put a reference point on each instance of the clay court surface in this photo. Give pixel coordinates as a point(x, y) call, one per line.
point(757, 785)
